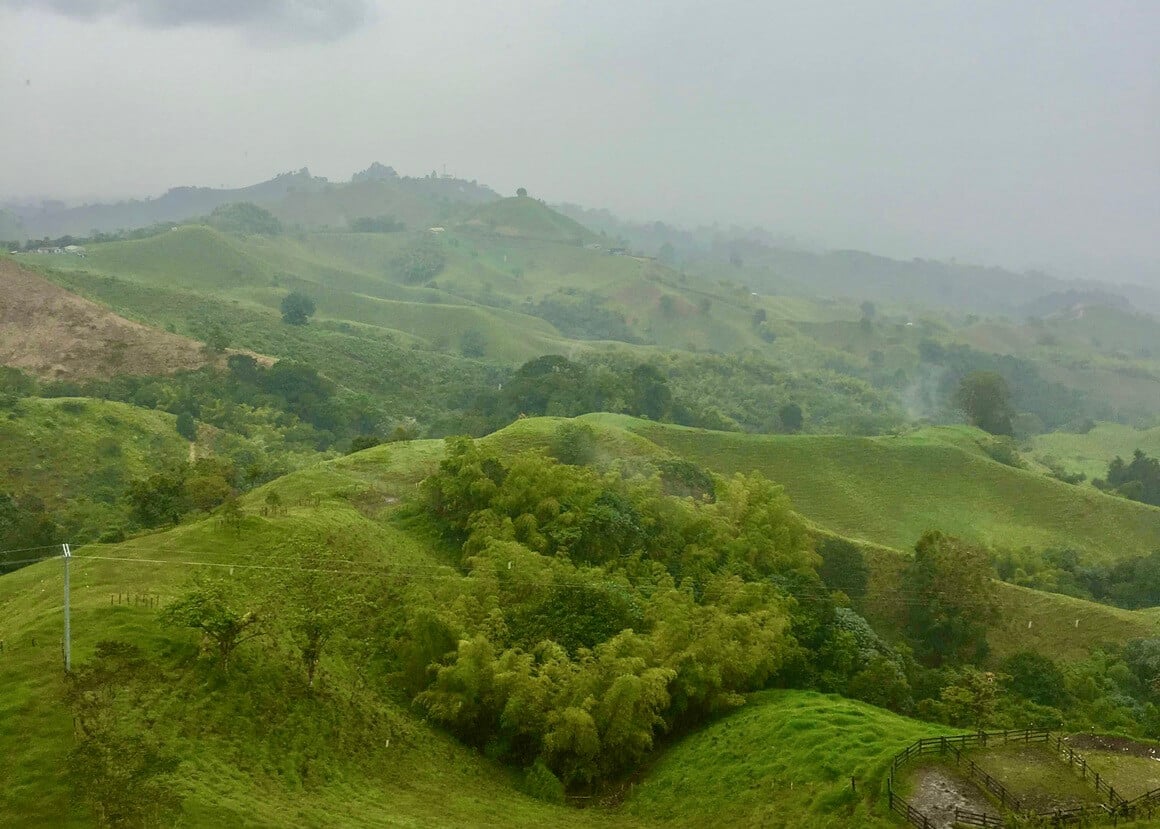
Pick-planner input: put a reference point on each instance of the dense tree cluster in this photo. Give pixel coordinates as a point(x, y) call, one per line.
point(1053, 404)
point(1139, 479)
point(600, 611)
point(246, 219)
point(1132, 582)
point(582, 315)
point(420, 261)
point(25, 523)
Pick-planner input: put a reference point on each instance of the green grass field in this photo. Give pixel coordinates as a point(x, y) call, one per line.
point(1090, 453)
point(890, 490)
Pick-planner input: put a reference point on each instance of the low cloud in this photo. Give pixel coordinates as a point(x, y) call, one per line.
point(273, 19)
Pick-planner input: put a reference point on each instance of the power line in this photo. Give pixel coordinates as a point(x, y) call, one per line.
point(28, 549)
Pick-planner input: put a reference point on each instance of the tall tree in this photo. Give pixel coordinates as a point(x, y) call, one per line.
point(986, 399)
point(297, 308)
point(950, 599)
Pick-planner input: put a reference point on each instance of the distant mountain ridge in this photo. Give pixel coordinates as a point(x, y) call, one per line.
point(295, 196)
point(754, 257)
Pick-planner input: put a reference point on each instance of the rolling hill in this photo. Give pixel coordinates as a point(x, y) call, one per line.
point(783, 759)
point(526, 217)
point(889, 490)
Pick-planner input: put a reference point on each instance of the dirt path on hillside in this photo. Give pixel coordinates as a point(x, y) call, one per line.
point(938, 792)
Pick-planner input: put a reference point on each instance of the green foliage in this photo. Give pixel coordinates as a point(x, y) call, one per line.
point(245, 218)
point(1004, 450)
point(583, 315)
point(472, 343)
point(1035, 677)
point(187, 426)
point(575, 443)
point(1138, 480)
point(297, 308)
point(220, 613)
point(577, 645)
point(119, 769)
point(791, 417)
point(950, 599)
point(420, 262)
point(540, 783)
point(360, 442)
point(1133, 582)
point(376, 224)
point(843, 566)
point(25, 523)
point(159, 499)
point(986, 399)
point(973, 698)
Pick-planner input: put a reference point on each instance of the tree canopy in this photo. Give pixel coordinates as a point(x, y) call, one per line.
point(986, 399)
point(297, 308)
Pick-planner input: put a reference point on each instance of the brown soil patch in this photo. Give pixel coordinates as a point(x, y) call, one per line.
point(50, 332)
point(938, 792)
point(1120, 745)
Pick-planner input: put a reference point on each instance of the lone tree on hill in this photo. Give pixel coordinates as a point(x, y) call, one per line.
point(950, 599)
point(523, 191)
point(791, 417)
point(986, 398)
point(297, 308)
point(187, 426)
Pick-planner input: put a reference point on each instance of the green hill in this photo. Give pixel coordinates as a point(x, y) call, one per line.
point(889, 490)
point(247, 759)
point(525, 216)
point(785, 759)
point(1091, 452)
point(255, 749)
point(78, 456)
point(187, 256)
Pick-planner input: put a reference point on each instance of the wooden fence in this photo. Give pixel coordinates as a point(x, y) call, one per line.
point(1113, 808)
point(1077, 762)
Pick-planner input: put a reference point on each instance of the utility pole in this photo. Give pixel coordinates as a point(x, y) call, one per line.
point(67, 633)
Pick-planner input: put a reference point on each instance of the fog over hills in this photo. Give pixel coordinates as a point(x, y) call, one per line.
point(1020, 135)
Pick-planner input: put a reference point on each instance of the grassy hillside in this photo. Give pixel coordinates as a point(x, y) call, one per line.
point(365, 763)
point(524, 216)
point(889, 490)
point(250, 757)
point(784, 760)
point(78, 455)
point(1090, 453)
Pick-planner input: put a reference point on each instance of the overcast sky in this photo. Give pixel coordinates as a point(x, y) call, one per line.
point(1019, 133)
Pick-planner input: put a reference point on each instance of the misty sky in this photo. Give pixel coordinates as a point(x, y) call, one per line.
point(1018, 133)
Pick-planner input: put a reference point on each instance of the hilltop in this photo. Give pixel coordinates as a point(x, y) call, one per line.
point(527, 217)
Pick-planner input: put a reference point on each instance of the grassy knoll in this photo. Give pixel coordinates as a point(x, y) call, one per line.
point(1090, 453)
point(784, 760)
point(524, 216)
point(890, 490)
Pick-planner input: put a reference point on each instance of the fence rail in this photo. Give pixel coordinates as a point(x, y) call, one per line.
point(1114, 807)
point(969, 818)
